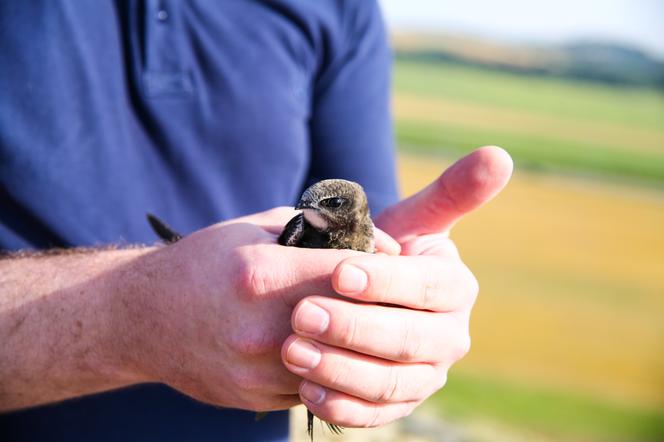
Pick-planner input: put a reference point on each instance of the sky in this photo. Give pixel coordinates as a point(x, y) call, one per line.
point(636, 22)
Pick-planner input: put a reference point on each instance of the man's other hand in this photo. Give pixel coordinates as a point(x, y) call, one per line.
point(208, 315)
point(373, 357)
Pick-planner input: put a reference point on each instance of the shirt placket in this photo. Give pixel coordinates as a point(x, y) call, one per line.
point(165, 74)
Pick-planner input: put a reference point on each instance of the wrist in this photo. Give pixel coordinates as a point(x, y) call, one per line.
point(127, 291)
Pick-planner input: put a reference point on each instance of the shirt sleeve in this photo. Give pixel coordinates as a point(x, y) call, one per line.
point(351, 122)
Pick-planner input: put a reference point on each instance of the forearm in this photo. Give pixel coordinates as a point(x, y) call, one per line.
point(60, 328)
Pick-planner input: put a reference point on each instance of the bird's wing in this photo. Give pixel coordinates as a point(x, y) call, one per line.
point(292, 232)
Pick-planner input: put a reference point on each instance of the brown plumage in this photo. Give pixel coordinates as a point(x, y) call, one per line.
point(335, 215)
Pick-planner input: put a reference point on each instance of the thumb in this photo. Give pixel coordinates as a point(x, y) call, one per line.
point(465, 186)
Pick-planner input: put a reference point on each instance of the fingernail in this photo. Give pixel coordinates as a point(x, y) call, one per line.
point(352, 280)
point(312, 392)
point(311, 319)
point(303, 354)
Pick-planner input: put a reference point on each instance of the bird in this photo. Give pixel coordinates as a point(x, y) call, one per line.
point(335, 215)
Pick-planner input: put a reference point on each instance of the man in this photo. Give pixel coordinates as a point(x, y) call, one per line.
point(199, 112)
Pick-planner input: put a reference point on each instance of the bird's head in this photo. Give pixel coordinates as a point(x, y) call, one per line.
point(333, 204)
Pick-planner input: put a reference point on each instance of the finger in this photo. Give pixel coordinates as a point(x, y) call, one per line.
point(272, 220)
point(385, 243)
point(359, 375)
point(289, 273)
point(421, 282)
point(466, 185)
point(438, 244)
point(348, 411)
point(394, 334)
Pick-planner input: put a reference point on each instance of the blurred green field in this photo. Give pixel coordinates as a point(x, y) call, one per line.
point(568, 336)
point(548, 123)
point(545, 414)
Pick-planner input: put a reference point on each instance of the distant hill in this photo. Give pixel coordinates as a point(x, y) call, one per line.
point(587, 60)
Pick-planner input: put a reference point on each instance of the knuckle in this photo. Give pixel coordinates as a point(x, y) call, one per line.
point(252, 280)
point(349, 332)
point(438, 379)
point(462, 347)
point(340, 374)
point(432, 287)
point(243, 269)
point(411, 344)
point(387, 291)
point(392, 388)
point(375, 417)
point(466, 286)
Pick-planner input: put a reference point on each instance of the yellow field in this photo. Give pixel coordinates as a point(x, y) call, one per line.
point(572, 284)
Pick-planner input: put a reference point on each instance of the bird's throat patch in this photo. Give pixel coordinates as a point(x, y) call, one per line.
point(315, 219)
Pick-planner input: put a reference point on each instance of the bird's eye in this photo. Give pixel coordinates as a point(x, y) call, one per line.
point(333, 203)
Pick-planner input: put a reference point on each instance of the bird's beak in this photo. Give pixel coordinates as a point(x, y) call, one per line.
point(305, 204)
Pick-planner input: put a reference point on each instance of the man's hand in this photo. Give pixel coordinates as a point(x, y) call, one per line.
point(368, 360)
point(208, 314)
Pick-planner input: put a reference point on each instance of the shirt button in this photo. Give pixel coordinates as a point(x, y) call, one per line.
point(162, 15)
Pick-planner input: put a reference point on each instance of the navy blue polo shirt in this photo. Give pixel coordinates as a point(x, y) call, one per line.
point(196, 111)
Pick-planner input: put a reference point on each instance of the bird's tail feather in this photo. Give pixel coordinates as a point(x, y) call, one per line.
point(335, 429)
point(310, 425)
point(162, 229)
